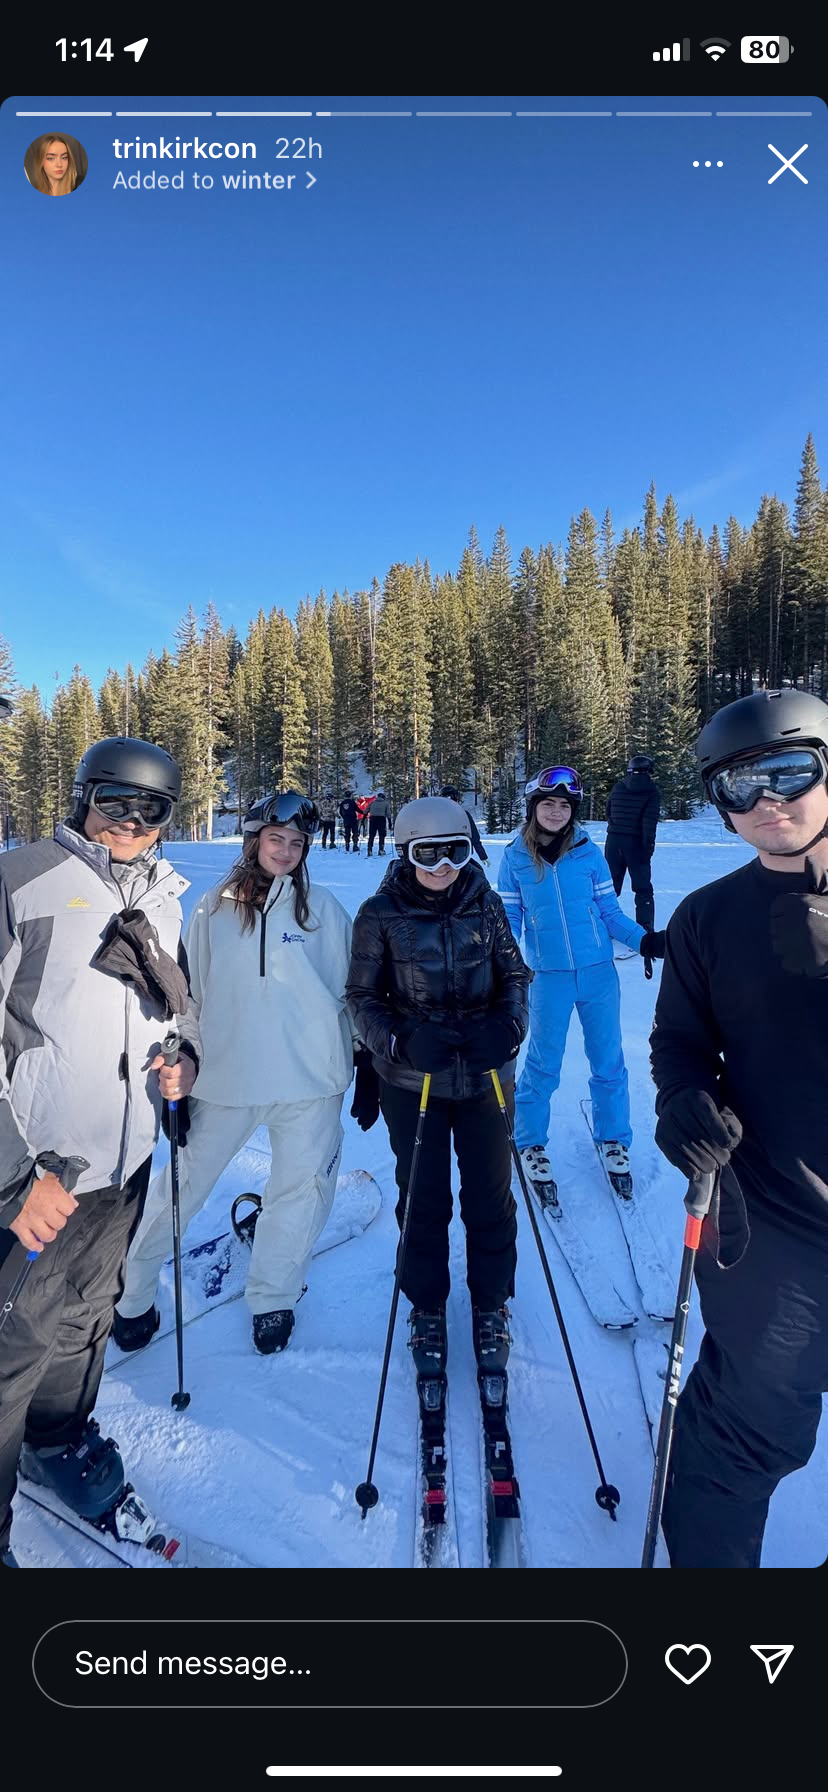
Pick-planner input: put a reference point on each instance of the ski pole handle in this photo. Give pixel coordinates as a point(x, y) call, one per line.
point(697, 1201)
point(170, 1047)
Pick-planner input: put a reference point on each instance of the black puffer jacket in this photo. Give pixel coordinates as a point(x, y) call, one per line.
point(633, 809)
point(450, 957)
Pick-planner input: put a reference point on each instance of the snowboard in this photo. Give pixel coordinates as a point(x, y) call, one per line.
point(216, 1271)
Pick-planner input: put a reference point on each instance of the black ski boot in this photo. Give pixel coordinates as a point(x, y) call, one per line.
point(491, 1335)
point(135, 1333)
point(7, 1559)
point(271, 1331)
point(88, 1476)
point(428, 1342)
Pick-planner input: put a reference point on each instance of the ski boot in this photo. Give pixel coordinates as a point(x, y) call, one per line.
point(616, 1161)
point(8, 1559)
point(88, 1476)
point(491, 1338)
point(271, 1331)
point(538, 1172)
point(428, 1344)
point(135, 1333)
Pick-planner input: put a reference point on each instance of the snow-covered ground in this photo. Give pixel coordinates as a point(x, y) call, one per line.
point(266, 1458)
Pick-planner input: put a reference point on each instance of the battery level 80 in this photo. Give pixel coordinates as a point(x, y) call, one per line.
point(766, 49)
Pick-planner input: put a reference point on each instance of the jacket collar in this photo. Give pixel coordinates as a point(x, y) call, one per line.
point(98, 860)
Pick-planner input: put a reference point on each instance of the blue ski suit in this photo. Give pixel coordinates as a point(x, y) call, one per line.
point(569, 916)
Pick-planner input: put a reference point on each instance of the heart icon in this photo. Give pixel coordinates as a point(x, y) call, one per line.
point(682, 1669)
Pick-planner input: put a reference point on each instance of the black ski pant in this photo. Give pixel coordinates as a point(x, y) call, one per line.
point(487, 1206)
point(751, 1406)
point(376, 825)
point(329, 827)
point(623, 854)
point(351, 832)
point(53, 1342)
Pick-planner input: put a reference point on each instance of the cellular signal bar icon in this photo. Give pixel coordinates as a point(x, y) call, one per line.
point(675, 53)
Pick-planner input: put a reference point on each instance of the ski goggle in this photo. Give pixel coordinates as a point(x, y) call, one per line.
point(433, 852)
point(286, 809)
point(786, 775)
point(122, 802)
point(556, 777)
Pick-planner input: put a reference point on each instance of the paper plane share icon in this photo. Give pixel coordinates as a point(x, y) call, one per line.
point(774, 1656)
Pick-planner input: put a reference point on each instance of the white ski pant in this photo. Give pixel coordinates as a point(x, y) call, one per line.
point(306, 1141)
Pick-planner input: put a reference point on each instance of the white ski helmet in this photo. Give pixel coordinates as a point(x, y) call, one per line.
point(430, 818)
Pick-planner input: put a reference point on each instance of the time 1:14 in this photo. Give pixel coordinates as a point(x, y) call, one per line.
point(104, 49)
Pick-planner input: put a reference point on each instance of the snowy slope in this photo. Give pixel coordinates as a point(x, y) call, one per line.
point(267, 1456)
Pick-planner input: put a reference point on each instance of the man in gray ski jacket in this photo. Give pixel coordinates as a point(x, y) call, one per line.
point(91, 980)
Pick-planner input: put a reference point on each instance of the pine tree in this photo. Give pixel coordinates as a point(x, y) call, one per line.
point(316, 664)
point(404, 699)
point(346, 723)
point(33, 782)
point(215, 706)
point(809, 575)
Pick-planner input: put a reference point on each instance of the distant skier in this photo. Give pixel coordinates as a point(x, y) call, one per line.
point(363, 809)
point(437, 984)
point(350, 820)
point(327, 816)
point(378, 822)
point(632, 815)
point(268, 959)
point(740, 1059)
point(90, 978)
point(557, 890)
point(451, 791)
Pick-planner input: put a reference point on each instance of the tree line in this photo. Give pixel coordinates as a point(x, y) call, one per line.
point(583, 653)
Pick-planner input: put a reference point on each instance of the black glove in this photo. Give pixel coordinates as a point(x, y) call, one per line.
point(799, 926)
point(695, 1135)
point(426, 1045)
point(488, 1043)
point(366, 1103)
point(652, 945)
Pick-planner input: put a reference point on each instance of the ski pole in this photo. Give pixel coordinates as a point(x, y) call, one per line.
point(180, 1400)
point(607, 1496)
point(697, 1201)
point(366, 1494)
point(67, 1170)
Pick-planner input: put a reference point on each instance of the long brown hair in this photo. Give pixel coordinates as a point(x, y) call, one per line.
point(41, 180)
point(535, 837)
point(250, 887)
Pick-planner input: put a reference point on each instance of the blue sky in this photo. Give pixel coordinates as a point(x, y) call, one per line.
point(246, 396)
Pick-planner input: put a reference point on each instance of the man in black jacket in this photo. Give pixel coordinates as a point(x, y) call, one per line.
point(350, 820)
point(740, 1059)
point(632, 814)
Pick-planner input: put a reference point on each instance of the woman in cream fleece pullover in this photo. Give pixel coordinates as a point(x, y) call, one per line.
point(268, 961)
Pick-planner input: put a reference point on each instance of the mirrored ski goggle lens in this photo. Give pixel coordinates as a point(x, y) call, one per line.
point(428, 854)
point(787, 775)
point(557, 777)
point(116, 802)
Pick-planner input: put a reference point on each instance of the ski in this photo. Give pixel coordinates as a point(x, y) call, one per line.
point(651, 1358)
point(504, 1543)
point(607, 1306)
point(657, 1291)
point(434, 1547)
point(216, 1271)
point(136, 1539)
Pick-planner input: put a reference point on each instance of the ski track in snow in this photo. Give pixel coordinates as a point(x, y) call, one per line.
point(267, 1456)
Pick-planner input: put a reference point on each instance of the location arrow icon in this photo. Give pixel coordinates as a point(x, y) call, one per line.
point(137, 48)
point(774, 1656)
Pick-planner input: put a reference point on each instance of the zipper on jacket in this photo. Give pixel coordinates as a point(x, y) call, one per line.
point(563, 917)
point(262, 971)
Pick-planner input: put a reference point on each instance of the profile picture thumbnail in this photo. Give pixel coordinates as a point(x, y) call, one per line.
point(55, 164)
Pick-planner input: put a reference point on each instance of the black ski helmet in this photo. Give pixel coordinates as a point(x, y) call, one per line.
point(121, 759)
point(641, 762)
point(283, 808)
point(751, 725)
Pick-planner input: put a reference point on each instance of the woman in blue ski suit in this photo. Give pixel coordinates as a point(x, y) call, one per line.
point(556, 888)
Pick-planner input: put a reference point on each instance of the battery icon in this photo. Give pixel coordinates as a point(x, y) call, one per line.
point(766, 49)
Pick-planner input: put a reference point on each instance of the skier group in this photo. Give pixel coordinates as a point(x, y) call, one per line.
point(278, 1001)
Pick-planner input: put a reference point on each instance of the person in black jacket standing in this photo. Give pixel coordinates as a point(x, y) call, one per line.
point(437, 984)
point(739, 1054)
point(350, 820)
point(632, 814)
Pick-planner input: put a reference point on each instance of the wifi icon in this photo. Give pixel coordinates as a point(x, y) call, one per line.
point(715, 46)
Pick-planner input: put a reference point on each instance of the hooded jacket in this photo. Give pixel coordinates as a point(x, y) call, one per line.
point(449, 958)
point(570, 913)
point(77, 1043)
point(633, 809)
